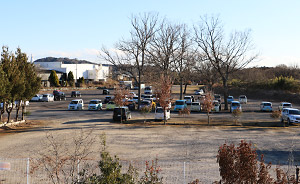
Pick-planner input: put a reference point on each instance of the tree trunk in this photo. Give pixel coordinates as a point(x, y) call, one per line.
point(2, 111)
point(208, 119)
point(181, 83)
point(23, 111)
point(185, 86)
point(225, 86)
point(17, 110)
point(8, 110)
point(139, 91)
point(164, 116)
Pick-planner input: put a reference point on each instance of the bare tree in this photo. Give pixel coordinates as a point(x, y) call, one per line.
point(208, 105)
point(184, 57)
point(165, 44)
point(226, 56)
point(133, 58)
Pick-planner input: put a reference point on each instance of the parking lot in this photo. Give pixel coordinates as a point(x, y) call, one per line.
point(197, 145)
point(58, 110)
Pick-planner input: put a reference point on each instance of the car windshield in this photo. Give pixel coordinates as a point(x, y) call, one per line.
point(187, 97)
point(94, 102)
point(179, 103)
point(111, 102)
point(267, 104)
point(45, 95)
point(286, 105)
point(217, 96)
point(242, 97)
point(235, 104)
point(159, 110)
point(147, 88)
point(296, 112)
point(145, 102)
point(74, 102)
point(135, 97)
point(230, 97)
point(195, 103)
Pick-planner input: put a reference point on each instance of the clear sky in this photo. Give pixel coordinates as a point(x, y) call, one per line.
point(79, 28)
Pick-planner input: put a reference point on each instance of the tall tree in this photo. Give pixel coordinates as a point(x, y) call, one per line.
point(15, 78)
point(133, 57)
point(71, 79)
point(3, 91)
point(164, 46)
point(226, 56)
point(32, 82)
point(53, 79)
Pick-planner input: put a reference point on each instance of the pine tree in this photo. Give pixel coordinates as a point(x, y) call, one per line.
point(71, 79)
point(53, 79)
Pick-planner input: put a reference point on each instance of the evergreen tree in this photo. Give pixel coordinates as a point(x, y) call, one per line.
point(71, 79)
point(3, 92)
point(53, 79)
point(16, 79)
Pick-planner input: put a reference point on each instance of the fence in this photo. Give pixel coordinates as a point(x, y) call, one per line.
point(24, 171)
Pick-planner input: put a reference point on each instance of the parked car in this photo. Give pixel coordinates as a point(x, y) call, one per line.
point(135, 99)
point(47, 98)
point(216, 106)
point(105, 92)
point(148, 90)
point(284, 105)
point(189, 99)
point(146, 103)
point(110, 105)
point(75, 94)
point(180, 105)
point(107, 99)
point(243, 99)
point(58, 96)
point(235, 105)
point(159, 114)
point(230, 99)
point(36, 98)
point(76, 104)
point(121, 113)
point(266, 106)
point(199, 92)
point(95, 104)
point(131, 105)
point(290, 115)
point(217, 97)
point(196, 106)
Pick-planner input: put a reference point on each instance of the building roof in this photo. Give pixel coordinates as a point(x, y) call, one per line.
point(63, 60)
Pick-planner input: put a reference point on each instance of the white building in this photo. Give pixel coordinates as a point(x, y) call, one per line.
point(88, 70)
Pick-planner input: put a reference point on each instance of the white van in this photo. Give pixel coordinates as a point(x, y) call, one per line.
point(159, 113)
point(188, 99)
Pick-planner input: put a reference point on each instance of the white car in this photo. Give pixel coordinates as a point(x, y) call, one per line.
point(235, 105)
point(136, 99)
point(188, 99)
point(217, 106)
point(159, 114)
point(148, 90)
point(199, 92)
point(290, 115)
point(195, 106)
point(36, 98)
point(95, 104)
point(284, 105)
point(76, 104)
point(243, 99)
point(47, 98)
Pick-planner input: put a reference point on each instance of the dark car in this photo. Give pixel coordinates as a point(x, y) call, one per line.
point(121, 113)
point(131, 105)
point(105, 92)
point(107, 99)
point(75, 94)
point(58, 96)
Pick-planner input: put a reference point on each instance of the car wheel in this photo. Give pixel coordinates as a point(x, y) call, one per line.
point(288, 121)
point(282, 121)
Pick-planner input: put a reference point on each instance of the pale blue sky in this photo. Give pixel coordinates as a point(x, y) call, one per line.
point(78, 29)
